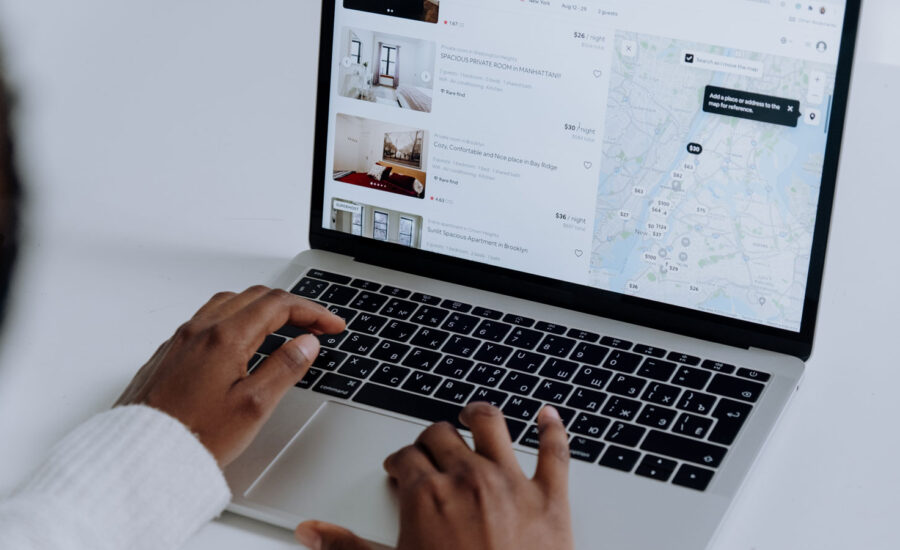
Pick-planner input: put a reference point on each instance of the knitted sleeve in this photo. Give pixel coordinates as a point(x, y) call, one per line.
point(132, 477)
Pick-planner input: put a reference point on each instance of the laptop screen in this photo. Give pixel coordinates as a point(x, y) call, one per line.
point(671, 151)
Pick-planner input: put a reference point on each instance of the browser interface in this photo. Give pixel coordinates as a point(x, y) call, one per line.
point(671, 151)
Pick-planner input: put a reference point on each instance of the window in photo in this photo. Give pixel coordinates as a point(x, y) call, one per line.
point(356, 51)
point(389, 56)
point(406, 231)
point(380, 232)
point(356, 222)
point(404, 147)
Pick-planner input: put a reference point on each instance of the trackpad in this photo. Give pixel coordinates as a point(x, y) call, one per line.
point(332, 471)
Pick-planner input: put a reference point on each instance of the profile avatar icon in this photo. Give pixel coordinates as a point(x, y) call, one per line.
point(821, 47)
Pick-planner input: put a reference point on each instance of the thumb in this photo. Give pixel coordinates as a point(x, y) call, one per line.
point(318, 535)
point(286, 366)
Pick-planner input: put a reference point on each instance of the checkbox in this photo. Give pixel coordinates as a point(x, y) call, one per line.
point(688, 58)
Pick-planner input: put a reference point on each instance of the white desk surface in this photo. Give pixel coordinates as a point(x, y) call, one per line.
point(167, 149)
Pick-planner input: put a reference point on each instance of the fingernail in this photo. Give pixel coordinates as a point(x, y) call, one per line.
point(308, 537)
point(550, 412)
point(308, 345)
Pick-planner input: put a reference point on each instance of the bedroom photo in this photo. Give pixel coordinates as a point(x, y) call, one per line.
point(418, 10)
point(380, 155)
point(386, 69)
point(376, 222)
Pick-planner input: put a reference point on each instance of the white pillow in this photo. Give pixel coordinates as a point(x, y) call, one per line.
point(418, 186)
point(377, 171)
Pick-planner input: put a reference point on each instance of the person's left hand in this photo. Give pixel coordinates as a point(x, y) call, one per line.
point(200, 375)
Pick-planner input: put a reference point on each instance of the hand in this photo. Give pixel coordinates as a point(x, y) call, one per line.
point(200, 375)
point(453, 498)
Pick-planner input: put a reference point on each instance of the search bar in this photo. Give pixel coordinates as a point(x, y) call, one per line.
point(720, 63)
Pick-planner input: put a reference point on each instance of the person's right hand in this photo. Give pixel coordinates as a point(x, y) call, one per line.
point(453, 498)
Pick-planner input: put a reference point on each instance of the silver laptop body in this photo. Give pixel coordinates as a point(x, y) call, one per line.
point(431, 90)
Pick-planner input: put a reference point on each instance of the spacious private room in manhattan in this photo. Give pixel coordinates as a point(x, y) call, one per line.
point(419, 10)
point(387, 69)
point(381, 156)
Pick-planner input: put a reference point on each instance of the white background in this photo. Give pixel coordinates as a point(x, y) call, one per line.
point(167, 150)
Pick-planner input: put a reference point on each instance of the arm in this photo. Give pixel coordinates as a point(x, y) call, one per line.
point(147, 473)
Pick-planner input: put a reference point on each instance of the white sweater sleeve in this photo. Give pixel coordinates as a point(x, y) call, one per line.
point(132, 477)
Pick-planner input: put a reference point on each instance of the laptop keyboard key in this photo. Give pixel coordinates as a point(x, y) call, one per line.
point(271, 344)
point(718, 366)
point(522, 408)
point(363, 284)
point(691, 378)
point(683, 448)
point(494, 331)
point(399, 309)
point(461, 345)
point(359, 344)
point(656, 417)
point(693, 477)
point(589, 354)
point(494, 397)
point(735, 388)
point(253, 362)
point(328, 276)
point(486, 375)
point(657, 369)
point(519, 382)
point(583, 335)
point(622, 361)
point(730, 416)
point(650, 350)
point(592, 377)
point(309, 288)
point(620, 458)
point(518, 320)
point(358, 367)
point(396, 292)
point(587, 400)
point(559, 346)
point(531, 438)
point(616, 343)
point(291, 331)
point(683, 358)
point(524, 338)
point(339, 295)
point(553, 392)
point(494, 354)
point(693, 426)
point(421, 359)
point(398, 331)
point(460, 323)
point(754, 375)
point(454, 367)
point(336, 385)
point(621, 408)
point(455, 391)
point(456, 306)
point(628, 435)
point(696, 402)
point(312, 375)
point(422, 383)
point(582, 448)
point(525, 361)
point(656, 467)
point(552, 328)
point(487, 313)
point(662, 394)
point(369, 301)
point(426, 299)
point(589, 425)
point(392, 352)
point(430, 316)
point(368, 323)
point(390, 375)
point(329, 359)
point(629, 386)
point(430, 338)
point(559, 369)
point(332, 340)
point(344, 313)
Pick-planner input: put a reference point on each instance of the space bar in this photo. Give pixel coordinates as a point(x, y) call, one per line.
point(408, 404)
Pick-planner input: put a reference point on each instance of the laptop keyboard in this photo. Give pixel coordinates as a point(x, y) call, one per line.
point(661, 414)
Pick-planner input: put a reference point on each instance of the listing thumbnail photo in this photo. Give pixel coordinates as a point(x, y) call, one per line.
point(387, 69)
point(417, 10)
point(377, 223)
point(380, 155)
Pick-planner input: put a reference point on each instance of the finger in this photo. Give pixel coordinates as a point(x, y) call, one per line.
point(408, 465)
point(444, 446)
point(214, 304)
point(490, 433)
point(276, 308)
point(553, 455)
point(318, 535)
point(283, 369)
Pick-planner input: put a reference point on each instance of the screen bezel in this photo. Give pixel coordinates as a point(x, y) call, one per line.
point(630, 309)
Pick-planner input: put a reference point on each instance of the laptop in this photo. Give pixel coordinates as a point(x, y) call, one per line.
point(617, 208)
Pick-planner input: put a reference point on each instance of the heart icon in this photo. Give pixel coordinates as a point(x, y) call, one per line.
point(588, 165)
point(579, 253)
point(598, 73)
